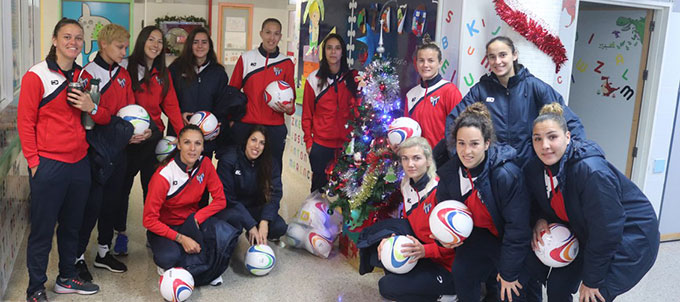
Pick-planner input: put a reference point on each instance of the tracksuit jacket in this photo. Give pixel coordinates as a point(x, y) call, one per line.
point(254, 70)
point(174, 193)
point(48, 125)
point(115, 88)
point(239, 178)
point(429, 103)
point(325, 111)
point(501, 188)
point(614, 222)
point(150, 96)
point(513, 109)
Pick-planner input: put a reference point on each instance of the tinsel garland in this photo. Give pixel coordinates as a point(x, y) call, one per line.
point(533, 31)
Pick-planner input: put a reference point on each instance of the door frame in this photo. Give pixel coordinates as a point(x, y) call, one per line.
point(220, 26)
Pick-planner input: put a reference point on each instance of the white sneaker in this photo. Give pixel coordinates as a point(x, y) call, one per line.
point(448, 298)
point(160, 271)
point(217, 281)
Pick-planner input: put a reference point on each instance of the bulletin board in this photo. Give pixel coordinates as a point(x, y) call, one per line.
point(358, 22)
point(93, 15)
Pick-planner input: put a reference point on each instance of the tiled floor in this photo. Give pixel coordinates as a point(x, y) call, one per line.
point(298, 276)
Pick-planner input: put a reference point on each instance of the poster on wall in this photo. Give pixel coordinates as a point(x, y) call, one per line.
point(93, 15)
point(405, 22)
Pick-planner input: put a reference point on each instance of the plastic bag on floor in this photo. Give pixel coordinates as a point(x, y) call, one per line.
point(312, 228)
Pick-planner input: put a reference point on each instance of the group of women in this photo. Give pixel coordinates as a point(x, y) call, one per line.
point(81, 178)
point(482, 146)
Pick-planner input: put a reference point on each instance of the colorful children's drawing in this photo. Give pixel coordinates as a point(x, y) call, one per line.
point(315, 11)
point(91, 26)
point(637, 24)
point(373, 11)
point(606, 89)
point(419, 18)
point(361, 20)
point(386, 20)
point(401, 18)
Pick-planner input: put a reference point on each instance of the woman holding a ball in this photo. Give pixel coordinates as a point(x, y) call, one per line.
point(572, 183)
point(430, 279)
point(327, 105)
point(179, 232)
point(484, 177)
point(253, 187)
point(254, 70)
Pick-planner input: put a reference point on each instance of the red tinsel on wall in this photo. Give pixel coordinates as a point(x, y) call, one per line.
point(534, 32)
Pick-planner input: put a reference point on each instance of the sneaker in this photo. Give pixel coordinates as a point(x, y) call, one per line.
point(75, 285)
point(160, 271)
point(83, 272)
point(217, 281)
point(38, 296)
point(448, 298)
point(110, 263)
point(121, 246)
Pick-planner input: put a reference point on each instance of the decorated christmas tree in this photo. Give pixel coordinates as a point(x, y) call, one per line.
point(368, 172)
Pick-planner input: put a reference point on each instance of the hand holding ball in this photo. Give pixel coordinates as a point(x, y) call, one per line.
point(392, 258)
point(278, 92)
point(559, 248)
point(164, 147)
point(137, 116)
point(260, 259)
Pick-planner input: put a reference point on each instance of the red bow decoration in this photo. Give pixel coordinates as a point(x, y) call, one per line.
point(534, 32)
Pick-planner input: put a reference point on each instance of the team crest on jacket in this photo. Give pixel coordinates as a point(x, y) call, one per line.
point(237, 172)
point(277, 71)
point(200, 178)
point(434, 100)
point(121, 82)
point(253, 64)
point(427, 207)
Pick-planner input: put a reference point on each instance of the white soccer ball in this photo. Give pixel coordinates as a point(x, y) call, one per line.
point(319, 242)
point(278, 92)
point(164, 147)
point(260, 259)
point(314, 213)
point(207, 122)
point(296, 234)
point(451, 221)
point(137, 116)
point(176, 284)
point(559, 248)
point(402, 128)
point(392, 258)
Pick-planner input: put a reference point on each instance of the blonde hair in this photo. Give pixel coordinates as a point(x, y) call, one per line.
point(421, 142)
point(553, 112)
point(112, 32)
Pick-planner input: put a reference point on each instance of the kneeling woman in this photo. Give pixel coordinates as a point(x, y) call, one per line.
point(181, 234)
point(484, 177)
point(572, 183)
point(430, 279)
point(253, 187)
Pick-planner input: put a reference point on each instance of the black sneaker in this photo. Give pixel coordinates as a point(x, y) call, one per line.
point(110, 263)
point(83, 272)
point(75, 285)
point(38, 296)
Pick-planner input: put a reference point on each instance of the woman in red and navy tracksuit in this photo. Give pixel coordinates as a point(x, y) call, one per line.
point(485, 178)
point(254, 70)
point(104, 201)
point(253, 187)
point(327, 105)
point(430, 279)
point(572, 183)
point(199, 80)
point(155, 92)
point(53, 142)
point(179, 233)
point(431, 101)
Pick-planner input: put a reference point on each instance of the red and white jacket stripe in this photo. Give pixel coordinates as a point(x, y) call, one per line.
point(115, 88)
point(325, 111)
point(150, 96)
point(429, 103)
point(48, 126)
point(254, 70)
point(174, 193)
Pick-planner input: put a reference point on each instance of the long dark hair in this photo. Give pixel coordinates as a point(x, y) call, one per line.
point(138, 58)
point(171, 156)
point(52, 55)
point(187, 61)
point(507, 41)
point(263, 164)
point(325, 69)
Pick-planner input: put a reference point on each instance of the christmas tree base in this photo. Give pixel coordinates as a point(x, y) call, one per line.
point(348, 248)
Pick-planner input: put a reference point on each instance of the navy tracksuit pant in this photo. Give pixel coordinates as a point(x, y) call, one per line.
point(476, 262)
point(140, 158)
point(59, 192)
point(102, 205)
point(277, 227)
point(319, 157)
point(276, 139)
point(561, 283)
